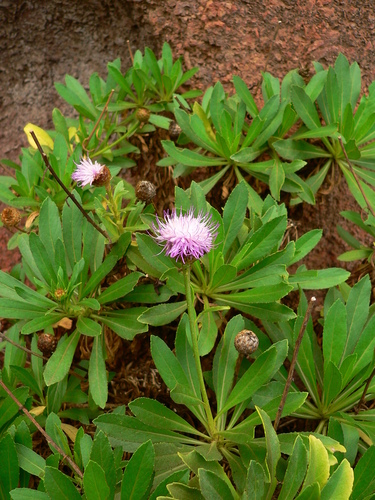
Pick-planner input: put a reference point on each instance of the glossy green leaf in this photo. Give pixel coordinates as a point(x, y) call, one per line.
point(334, 336)
point(213, 486)
point(94, 482)
point(30, 461)
point(59, 363)
point(305, 107)
point(162, 314)
point(139, 472)
point(120, 288)
point(340, 484)
point(28, 494)
point(9, 471)
point(89, 327)
point(318, 468)
point(123, 321)
point(98, 374)
point(364, 479)
point(295, 472)
point(102, 454)
point(59, 486)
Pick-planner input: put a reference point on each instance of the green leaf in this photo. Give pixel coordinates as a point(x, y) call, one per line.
point(340, 484)
point(59, 486)
point(334, 333)
point(9, 408)
point(332, 383)
point(41, 323)
point(102, 454)
point(357, 312)
point(255, 482)
point(318, 468)
point(30, 461)
point(9, 471)
point(98, 374)
point(273, 446)
point(94, 482)
point(234, 214)
point(299, 150)
point(151, 412)
point(295, 472)
point(225, 360)
point(305, 107)
point(28, 494)
point(139, 473)
point(257, 374)
point(89, 327)
point(212, 486)
point(163, 314)
point(123, 321)
point(244, 93)
point(312, 492)
point(321, 278)
point(191, 158)
point(167, 364)
point(120, 288)
point(49, 227)
point(183, 492)
point(72, 220)
point(129, 432)
point(364, 479)
point(42, 259)
point(59, 363)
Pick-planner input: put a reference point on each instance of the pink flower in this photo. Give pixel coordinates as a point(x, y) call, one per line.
point(91, 173)
point(185, 236)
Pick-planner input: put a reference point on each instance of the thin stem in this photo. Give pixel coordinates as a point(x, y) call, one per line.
point(88, 139)
point(73, 465)
point(130, 51)
point(293, 363)
point(356, 178)
point(117, 141)
point(71, 196)
point(194, 339)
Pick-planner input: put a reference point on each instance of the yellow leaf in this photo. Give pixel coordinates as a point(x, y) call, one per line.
point(70, 431)
point(38, 410)
point(41, 135)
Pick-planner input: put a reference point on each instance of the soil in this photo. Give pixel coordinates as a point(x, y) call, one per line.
point(41, 41)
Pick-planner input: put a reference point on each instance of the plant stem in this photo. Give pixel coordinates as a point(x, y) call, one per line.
point(293, 363)
point(73, 465)
point(71, 196)
point(117, 141)
point(88, 139)
point(194, 340)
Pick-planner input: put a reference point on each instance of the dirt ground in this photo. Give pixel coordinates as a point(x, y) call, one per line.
point(42, 41)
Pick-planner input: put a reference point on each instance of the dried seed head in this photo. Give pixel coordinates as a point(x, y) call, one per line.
point(102, 178)
point(142, 115)
point(246, 342)
point(59, 293)
point(10, 217)
point(145, 191)
point(174, 131)
point(47, 343)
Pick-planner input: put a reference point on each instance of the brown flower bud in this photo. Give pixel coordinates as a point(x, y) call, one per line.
point(145, 191)
point(246, 342)
point(174, 131)
point(102, 178)
point(47, 343)
point(10, 217)
point(142, 115)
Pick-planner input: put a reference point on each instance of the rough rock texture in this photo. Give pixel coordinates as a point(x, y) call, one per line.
point(42, 41)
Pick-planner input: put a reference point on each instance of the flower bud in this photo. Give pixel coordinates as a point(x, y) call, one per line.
point(174, 131)
point(102, 178)
point(145, 191)
point(246, 342)
point(47, 343)
point(10, 217)
point(142, 115)
point(59, 293)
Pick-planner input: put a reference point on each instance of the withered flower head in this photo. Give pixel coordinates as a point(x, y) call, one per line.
point(145, 191)
point(10, 217)
point(246, 342)
point(142, 115)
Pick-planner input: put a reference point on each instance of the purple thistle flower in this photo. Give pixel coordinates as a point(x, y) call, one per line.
point(185, 236)
point(91, 173)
